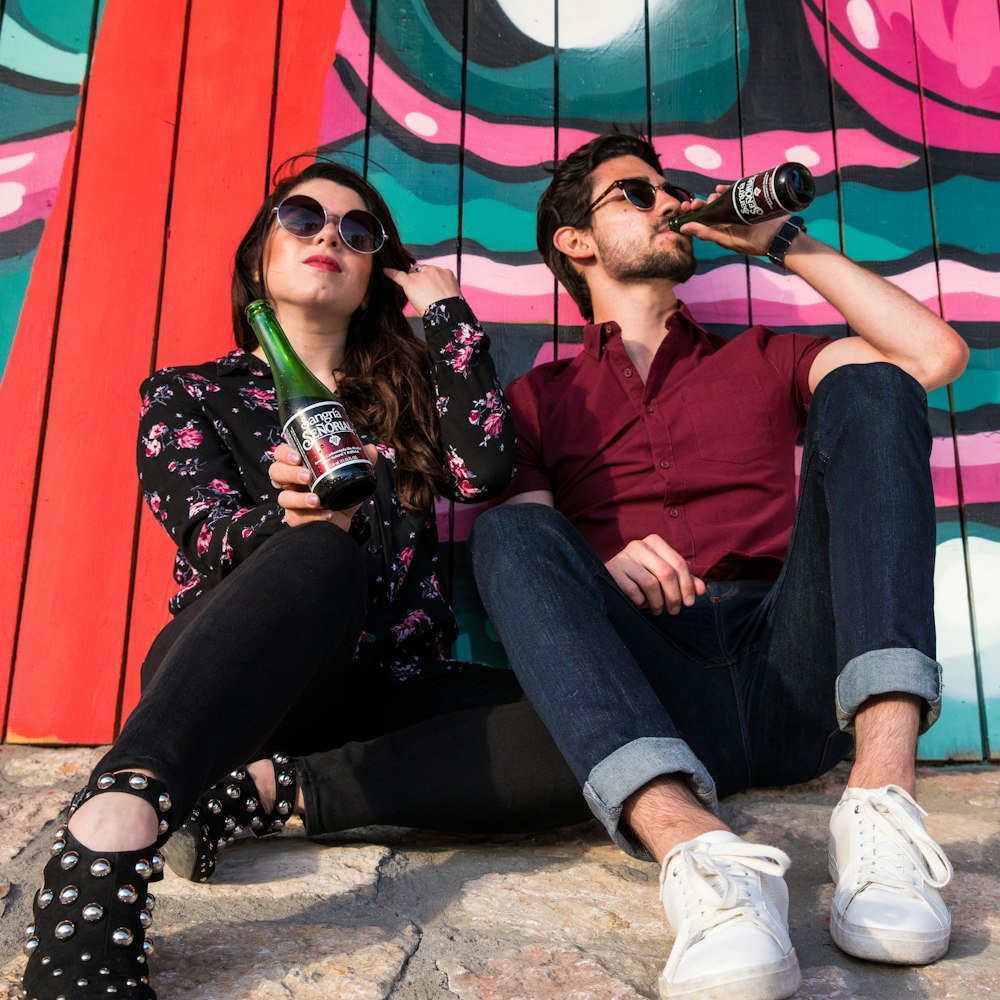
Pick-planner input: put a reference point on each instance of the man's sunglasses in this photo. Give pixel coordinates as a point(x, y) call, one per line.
point(642, 194)
point(304, 217)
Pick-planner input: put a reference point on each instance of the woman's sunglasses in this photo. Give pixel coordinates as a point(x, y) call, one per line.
point(304, 217)
point(642, 194)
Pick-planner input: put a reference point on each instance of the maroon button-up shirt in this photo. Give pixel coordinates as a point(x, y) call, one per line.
point(702, 454)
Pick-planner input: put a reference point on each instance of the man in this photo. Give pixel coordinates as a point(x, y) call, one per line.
point(656, 474)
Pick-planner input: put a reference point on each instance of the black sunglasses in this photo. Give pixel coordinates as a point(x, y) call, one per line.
point(303, 216)
point(642, 194)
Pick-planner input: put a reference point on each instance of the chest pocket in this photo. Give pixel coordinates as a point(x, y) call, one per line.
point(731, 420)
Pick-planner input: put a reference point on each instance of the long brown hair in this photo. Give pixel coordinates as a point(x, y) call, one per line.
point(385, 377)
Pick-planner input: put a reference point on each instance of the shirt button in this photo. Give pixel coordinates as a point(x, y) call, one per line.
point(649, 409)
point(674, 512)
point(628, 373)
point(664, 464)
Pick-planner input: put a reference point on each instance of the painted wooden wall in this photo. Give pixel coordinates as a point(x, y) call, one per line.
point(136, 139)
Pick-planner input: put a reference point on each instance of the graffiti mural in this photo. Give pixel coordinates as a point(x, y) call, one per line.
point(455, 110)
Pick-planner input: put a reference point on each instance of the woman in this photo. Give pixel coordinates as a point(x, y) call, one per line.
point(311, 643)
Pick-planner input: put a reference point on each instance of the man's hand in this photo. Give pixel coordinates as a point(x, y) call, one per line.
point(750, 240)
point(653, 576)
point(288, 475)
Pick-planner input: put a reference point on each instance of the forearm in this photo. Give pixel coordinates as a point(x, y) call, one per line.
point(891, 322)
point(477, 434)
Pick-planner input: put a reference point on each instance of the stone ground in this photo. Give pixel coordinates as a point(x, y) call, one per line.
point(387, 912)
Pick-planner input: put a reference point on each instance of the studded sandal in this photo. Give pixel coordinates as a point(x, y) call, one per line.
point(224, 812)
point(88, 937)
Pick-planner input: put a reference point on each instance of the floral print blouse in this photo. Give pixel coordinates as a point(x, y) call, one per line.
point(207, 435)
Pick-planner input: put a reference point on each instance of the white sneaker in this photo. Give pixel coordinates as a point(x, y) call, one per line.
point(728, 905)
point(887, 870)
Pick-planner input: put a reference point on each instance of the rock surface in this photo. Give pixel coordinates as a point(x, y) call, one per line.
point(385, 912)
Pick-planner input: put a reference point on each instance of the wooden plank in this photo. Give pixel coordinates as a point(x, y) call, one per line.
point(956, 65)
point(696, 57)
point(308, 46)
point(887, 224)
point(44, 164)
point(69, 656)
point(224, 121)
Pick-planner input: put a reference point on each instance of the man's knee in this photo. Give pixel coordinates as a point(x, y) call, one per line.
point(508, 526)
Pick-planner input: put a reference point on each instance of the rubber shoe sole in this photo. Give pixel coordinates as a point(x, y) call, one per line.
point(776, 981)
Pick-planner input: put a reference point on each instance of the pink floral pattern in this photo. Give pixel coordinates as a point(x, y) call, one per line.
point(207, 435)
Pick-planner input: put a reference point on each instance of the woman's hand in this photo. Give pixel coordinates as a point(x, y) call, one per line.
point(424, 284)
point(288, 475)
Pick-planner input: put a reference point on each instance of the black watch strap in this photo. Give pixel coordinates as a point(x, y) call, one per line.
point(783, 239)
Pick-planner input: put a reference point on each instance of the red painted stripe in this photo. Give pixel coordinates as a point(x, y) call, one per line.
point(219, 180)
point(22, 405)
point(68, 667)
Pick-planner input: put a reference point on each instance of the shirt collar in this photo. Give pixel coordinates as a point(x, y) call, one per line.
point(241, 361)
point(597, 335)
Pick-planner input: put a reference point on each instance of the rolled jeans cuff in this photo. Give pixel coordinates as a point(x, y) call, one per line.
point(885, 671)
point(630, 767)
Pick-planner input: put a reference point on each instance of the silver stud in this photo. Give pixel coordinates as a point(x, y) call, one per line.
point(237, 830)
point(30, 945)
point(68, 894)
point(145, 918)
point(163, 827)
point(233, 791)
point(69, 860)
point(256, 823)
point(279, 758)
point(131, 982)
point(150, 902)
point(100, 868)
point(143, 868)
point(138, 781)
point(230, 823)
point(85, 956)
point(58, 846)
point(164, 802)
point(252, 804)
point(45, 896)
point(57, 972)
point(93, 912)
point(122, 937)
point(46, 960)
point(127, 893)
point(112, 989)
point(214, 806)
point(65, 929)
point(278, 824)
point(148, 947)
point(239, 774)
point(284, 778)
point(29, 930)
point(157, 862)
point(105, 781)
point(105, 972)
point(82, 982)
point(284, 808)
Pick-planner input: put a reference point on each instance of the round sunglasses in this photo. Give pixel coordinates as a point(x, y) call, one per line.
point(303, 216)
point(642, 194)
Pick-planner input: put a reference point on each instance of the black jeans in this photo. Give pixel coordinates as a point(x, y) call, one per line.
point(264, 662)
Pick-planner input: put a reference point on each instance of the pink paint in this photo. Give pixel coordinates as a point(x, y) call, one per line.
point(39, 176)
point(955, 59)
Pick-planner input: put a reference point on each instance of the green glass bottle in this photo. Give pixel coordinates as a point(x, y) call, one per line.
point(782, 190)
point(313, 419)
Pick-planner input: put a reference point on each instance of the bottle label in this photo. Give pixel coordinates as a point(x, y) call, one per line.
point(755, 198)
point(325, 438)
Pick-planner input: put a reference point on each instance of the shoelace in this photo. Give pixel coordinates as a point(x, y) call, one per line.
point(719, 878)
point(903, 837)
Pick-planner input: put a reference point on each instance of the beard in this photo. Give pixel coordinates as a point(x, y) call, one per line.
point(623, 261)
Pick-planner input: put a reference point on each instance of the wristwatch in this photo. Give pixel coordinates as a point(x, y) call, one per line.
point(783, 239)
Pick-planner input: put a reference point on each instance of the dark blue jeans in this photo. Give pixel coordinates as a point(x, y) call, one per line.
point(758, 682)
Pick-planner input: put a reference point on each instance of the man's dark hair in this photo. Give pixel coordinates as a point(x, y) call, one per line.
point(566, 202)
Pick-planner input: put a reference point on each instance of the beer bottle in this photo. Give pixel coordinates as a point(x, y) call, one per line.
point(313, 419)
point(786, 188)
